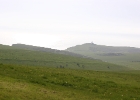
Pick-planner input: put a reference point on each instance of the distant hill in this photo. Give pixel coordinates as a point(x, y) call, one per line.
point(6, 47)
point(16, 55)
point(42, 49)
point(91, 47)
point(126, 56)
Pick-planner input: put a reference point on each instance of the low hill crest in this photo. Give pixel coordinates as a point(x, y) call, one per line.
point(43, 49)
point(103, 48)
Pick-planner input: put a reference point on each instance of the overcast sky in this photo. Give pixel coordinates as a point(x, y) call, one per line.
point(60, 24)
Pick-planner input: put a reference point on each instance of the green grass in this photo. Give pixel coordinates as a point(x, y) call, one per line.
point(45, 83)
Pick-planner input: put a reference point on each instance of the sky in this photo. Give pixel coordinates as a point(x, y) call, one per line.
point(60, 24)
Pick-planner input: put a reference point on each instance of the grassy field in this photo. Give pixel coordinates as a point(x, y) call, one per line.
point(45, 83)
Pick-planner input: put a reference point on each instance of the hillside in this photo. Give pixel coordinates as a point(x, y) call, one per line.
point(126, 56)
point(91, 47)
point(43, 83)
point(42, 49)
point(39, 58)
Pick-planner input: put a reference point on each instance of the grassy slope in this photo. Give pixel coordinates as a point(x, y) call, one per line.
point(130, 60)
point(36, 58)
point(42, 83)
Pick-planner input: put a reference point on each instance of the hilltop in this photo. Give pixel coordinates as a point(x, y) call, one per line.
point(91, 47)
point(126, 56)
point(43, 49)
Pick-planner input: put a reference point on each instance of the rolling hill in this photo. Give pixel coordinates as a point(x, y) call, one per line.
point(14, 55)
point(126, 56)
point(42, 49)
point(27, 74)
point(91, 47)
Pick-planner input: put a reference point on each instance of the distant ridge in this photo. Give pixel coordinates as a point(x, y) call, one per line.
point(20, 54)
point(43, 49)
point(103, 49)
point(125, 56)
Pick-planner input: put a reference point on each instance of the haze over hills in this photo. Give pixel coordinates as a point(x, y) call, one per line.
point(103, 49)
point(41, 75)
point(126, 56)
point(35, 56)
point(43, 49)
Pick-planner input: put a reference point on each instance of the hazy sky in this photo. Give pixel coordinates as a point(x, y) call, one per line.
point(63, 23)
